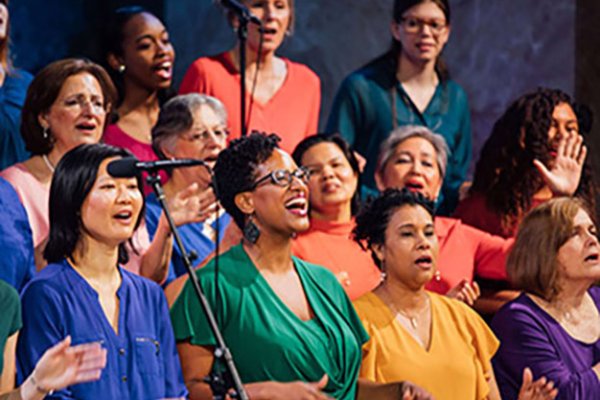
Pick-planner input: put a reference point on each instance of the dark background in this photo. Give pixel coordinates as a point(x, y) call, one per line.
point(498, 49)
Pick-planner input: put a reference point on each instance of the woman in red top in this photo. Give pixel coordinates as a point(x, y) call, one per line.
point(282, 96)
point(334, 200)
point(511, 174)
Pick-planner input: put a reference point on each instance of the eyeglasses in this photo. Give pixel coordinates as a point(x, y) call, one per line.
point(415, 25)
point(96, 104)
point(219, 133)
point(284, 178)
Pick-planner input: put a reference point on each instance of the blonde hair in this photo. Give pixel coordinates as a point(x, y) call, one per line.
point(532, 262)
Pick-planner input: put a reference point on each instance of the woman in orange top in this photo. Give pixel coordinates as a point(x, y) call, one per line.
point(334, 200)
point(282, 96)
point(438, 343)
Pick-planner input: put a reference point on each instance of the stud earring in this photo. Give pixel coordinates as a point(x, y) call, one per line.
point(251, 231)
point(121, 68)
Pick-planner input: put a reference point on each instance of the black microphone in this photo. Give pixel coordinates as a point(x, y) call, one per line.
point(130, 166)
point(241, 11)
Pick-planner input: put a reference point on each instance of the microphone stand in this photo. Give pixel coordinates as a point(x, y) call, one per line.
point(244, 17)
point(220, 383)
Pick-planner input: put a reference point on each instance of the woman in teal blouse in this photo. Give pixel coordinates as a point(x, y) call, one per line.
point(291, 329)
point(409, 85)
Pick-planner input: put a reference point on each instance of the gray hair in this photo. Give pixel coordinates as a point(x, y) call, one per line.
point(399, 135)
point(177, 116)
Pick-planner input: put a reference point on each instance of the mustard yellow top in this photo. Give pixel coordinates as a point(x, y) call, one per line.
point(457, 363)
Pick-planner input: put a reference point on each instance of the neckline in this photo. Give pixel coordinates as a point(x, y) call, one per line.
point(274, 295)
point(332, 227)
point(555, 322)
point(432, 329)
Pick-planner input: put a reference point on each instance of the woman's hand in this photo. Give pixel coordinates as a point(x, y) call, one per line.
point(542, 389)
point(410, 391)
point(288, 391)
point(465, 291)
point(63, 365)
point(564, 175)
point(192, 205)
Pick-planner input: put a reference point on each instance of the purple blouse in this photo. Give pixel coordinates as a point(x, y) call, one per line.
point(530, 337)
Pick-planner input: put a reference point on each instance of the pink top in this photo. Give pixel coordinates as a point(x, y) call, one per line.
point(34, 195)
point(292, 113)
point(115, 136)
point(330, 245)
point(465, 252)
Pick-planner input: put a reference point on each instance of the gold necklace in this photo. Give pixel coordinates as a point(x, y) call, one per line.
point(413, 319)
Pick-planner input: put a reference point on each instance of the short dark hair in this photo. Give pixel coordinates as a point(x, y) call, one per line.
point(43, 92)
point(73, 180)
point(373, 219)
point(313, 140)
point(235, 169)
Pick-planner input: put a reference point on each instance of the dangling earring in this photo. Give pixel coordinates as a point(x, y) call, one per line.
point(251, 231)
point(121, 68)
point(45, 133)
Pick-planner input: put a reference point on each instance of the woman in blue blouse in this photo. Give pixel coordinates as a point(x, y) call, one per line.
point(409, 85)
point(84, 293)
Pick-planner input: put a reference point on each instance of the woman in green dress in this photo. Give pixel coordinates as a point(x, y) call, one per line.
point(291, 328)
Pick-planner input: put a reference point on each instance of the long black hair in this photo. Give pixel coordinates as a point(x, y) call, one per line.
point(73, 180)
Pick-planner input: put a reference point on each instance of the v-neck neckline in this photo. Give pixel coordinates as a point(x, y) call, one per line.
point(98, 307)
point(278, 300)
point(399, 325)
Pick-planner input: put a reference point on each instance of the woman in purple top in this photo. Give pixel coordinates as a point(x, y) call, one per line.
point(554, 326)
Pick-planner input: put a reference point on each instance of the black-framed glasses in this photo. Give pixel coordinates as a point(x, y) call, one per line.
point(283, 177)
point(415, 25)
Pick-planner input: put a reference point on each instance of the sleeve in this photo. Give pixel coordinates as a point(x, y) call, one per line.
point(369, 349)
point(526, 343)
point(485, 344)
point(346, 114)
point(188, 318)
point(490, 254)
point(11, 311)
point(194, 79)
point(174, 386)
point(460, 154)
point(42, 327)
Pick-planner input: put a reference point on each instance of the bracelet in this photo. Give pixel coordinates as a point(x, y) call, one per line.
point(40, 389)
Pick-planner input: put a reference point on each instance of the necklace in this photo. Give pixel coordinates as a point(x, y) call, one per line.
point(413, 319)
point(48, 163)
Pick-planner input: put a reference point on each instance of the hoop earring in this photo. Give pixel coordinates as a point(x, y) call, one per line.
point(251, 231)
point(121, 68)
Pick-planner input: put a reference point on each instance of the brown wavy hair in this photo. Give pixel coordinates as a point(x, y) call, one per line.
point(505, 174)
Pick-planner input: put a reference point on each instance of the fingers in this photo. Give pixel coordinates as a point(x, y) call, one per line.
point(466, 292)
point(542, 169)
point(59, 347)
point(582, 155)
point(322, 382)
point(527, 377)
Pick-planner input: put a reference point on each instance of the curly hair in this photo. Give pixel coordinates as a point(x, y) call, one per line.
point(235, 169)
point(505, 174)
point(313, 140)
point(373, 219)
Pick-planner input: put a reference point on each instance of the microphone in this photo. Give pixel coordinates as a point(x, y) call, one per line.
point(241, 11)
point(130, 166)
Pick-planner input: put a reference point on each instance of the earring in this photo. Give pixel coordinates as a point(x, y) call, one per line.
point(45, 133)
point(121, 68)
point(251, 231)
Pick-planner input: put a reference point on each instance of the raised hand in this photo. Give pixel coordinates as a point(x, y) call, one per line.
point(192, 205)
point(63, 365)
point(542, 389)
point(565, 172)
point(465, 291)
point(411, 391)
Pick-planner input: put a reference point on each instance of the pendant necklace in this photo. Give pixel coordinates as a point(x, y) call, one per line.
point(413, 319)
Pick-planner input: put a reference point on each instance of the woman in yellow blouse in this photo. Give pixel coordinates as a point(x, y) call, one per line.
point(436, 342)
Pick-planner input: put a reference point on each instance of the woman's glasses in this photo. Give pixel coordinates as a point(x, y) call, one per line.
point(415, 25)
point(283, 177)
